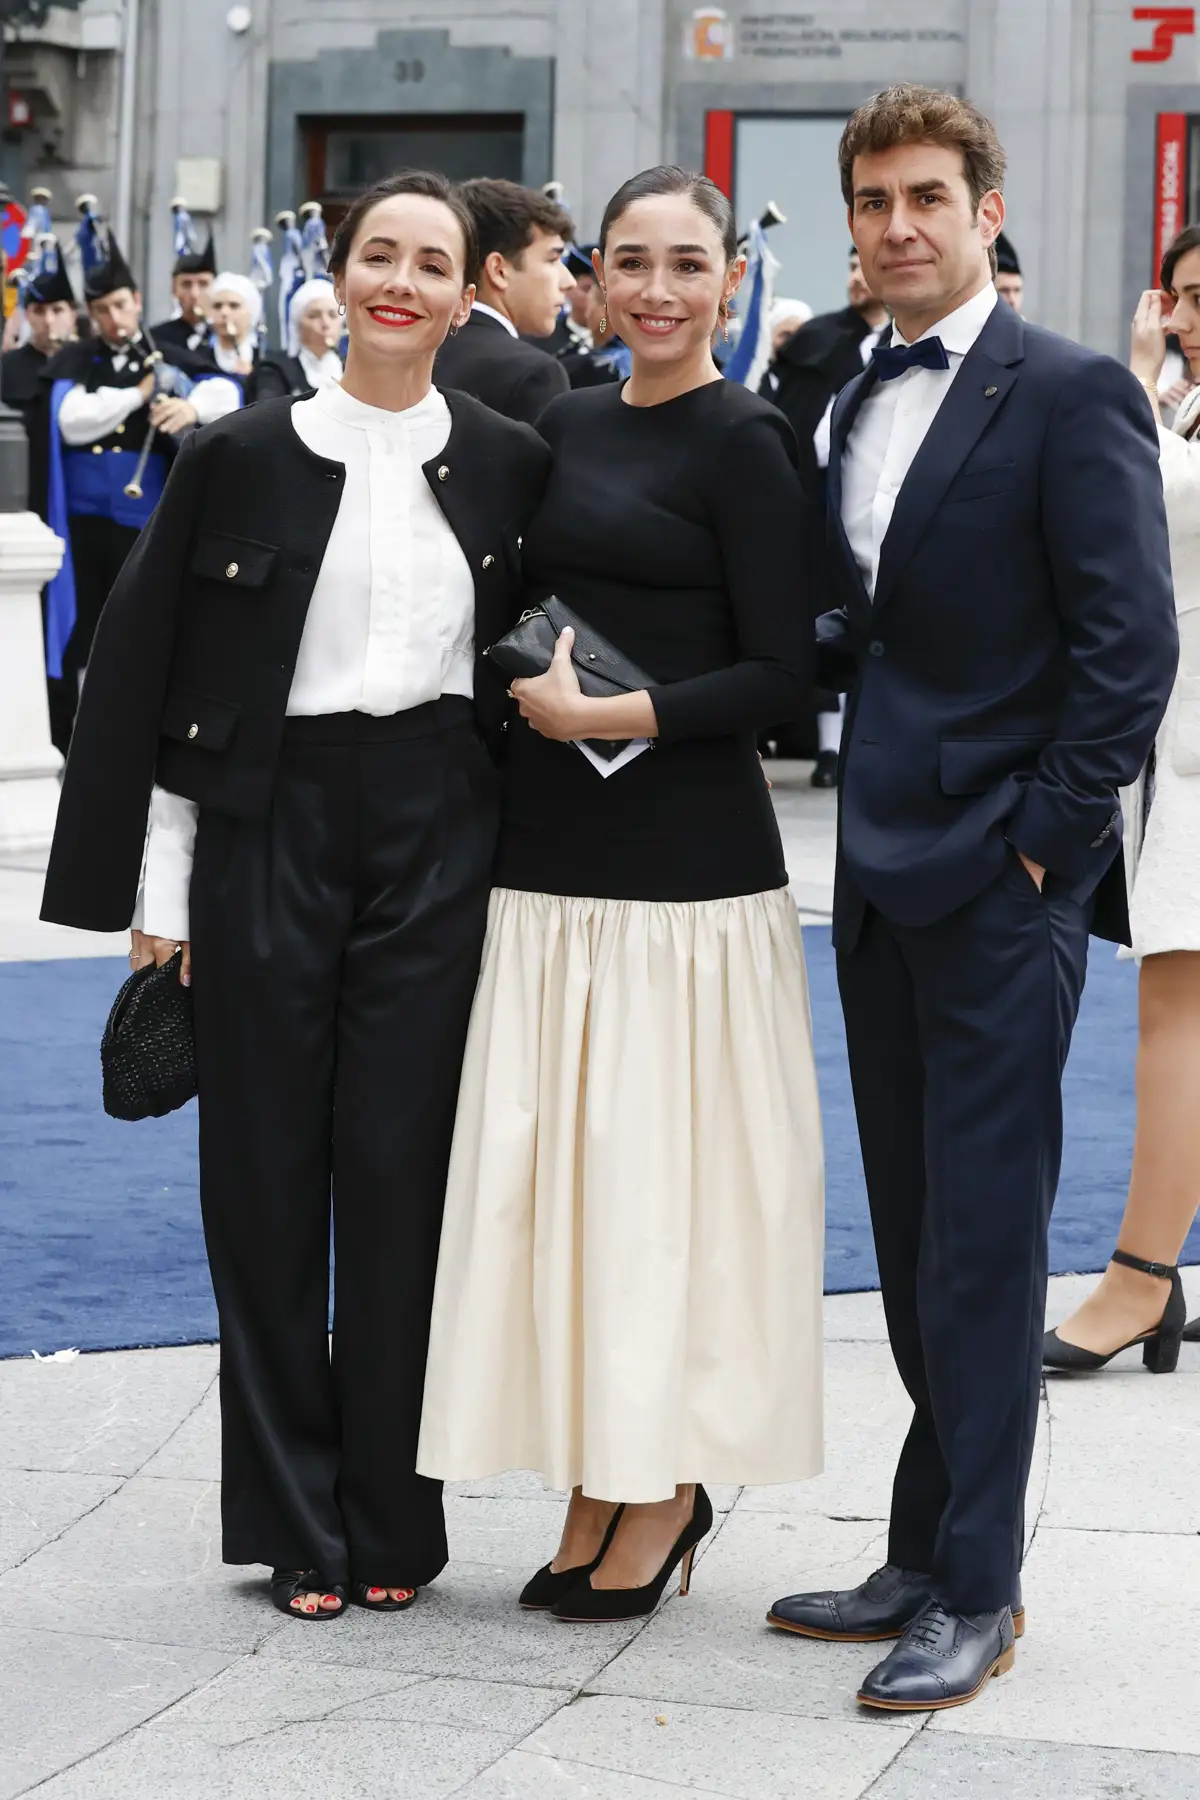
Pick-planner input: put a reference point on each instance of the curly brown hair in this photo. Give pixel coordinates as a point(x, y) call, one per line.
point(908, 114)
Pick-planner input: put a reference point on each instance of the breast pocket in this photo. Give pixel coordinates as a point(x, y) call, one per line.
point(985, 483)
point(235, 562)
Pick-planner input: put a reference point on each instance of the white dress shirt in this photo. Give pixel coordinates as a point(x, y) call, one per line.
point(84, 417)
point(320, 371)
point(391, 621)
point(890, 428)
point(477, 306)
point(821, 434)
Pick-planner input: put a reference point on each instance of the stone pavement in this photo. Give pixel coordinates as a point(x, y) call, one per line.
point(133, 1664)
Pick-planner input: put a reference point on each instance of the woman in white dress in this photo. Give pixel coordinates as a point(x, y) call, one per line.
point(1139, 1298)
point(629, 1284)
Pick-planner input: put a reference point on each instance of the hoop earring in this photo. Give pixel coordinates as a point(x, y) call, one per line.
point(341, 309)
point(453, 332)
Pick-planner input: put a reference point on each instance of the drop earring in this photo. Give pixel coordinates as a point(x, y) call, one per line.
point(604, 317)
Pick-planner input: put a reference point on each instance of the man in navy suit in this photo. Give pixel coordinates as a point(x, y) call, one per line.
point(998, 549)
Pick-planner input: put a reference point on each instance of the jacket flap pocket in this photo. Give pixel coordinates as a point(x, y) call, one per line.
point(974, 765)
point(238, 562)
point(199, 720)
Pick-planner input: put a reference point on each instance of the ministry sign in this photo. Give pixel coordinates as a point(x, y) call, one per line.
point(920, 39)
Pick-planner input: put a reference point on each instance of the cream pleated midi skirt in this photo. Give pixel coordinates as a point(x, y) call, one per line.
point(629, 1288)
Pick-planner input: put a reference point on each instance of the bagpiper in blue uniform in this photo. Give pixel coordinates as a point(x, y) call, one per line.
point(100, 414)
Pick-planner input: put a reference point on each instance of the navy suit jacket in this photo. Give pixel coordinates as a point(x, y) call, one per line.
point(1012, 670)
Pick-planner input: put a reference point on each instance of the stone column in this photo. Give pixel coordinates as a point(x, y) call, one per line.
point(30, 554)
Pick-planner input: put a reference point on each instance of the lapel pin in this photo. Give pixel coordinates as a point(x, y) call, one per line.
point(989, 392)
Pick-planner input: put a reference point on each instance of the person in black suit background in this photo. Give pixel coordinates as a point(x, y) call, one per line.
point(53, 320)
point(815, 363)
point(289, 676)
point(191, 279)
point(522, 282)
point(998, 547)
point(50, 313)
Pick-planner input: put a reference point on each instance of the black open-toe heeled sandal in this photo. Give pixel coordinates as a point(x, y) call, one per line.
point(288, 1584)
point(360, 1589)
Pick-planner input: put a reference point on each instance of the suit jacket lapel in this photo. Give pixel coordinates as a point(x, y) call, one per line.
point(845, 411)
point(978, 391)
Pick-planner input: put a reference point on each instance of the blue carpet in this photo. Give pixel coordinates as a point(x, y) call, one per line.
point(99, 1224)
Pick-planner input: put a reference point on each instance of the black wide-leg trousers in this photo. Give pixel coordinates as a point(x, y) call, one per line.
point(336, 945)
point(957, 1035)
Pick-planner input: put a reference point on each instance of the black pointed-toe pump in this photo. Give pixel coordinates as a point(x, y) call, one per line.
point(586, 1605)
point(547, 1587)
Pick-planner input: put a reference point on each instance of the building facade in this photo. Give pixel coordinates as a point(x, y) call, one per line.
point(248, 109)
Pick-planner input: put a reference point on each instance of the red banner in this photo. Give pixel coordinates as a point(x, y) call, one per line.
point(1170, 183)
point(718, 150)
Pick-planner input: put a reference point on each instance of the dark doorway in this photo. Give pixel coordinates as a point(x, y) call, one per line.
point(344, 155)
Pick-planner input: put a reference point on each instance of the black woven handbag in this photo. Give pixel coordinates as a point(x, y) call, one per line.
point(148, 1051)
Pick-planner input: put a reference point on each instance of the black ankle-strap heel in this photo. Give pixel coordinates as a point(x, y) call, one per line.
point(1160, 1345)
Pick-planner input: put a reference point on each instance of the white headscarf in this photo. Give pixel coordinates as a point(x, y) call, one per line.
point(788, 309)
point(319, 288)
point(244, 289)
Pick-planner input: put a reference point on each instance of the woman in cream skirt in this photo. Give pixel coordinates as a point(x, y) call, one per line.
point(629, 1286)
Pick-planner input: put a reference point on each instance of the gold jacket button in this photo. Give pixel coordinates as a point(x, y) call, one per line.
point(120, 431)
point(488, 561)
point(97, 449)
point(193, 731)
point(443, 472)
point(231, 571)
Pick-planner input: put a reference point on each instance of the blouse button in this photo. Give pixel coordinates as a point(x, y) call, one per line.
point(193, 731)
point(520, 541)
point(443, 472)
point(488, 561)
point(231, 571)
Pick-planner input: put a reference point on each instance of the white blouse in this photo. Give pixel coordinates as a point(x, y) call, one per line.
point(320, 371)
point(1162, 852)
point(392, 617)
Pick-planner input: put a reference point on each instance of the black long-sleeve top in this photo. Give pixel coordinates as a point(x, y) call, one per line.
point(678, 531)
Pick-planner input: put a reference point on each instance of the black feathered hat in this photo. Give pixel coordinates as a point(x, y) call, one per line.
point(1006, 257)
point(107, 276)
point(50, 285)
point(197, 262)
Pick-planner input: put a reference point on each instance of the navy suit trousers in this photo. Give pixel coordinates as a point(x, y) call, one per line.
point(957, 1034)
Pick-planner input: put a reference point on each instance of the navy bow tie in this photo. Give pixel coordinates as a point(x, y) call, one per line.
point(893, 359)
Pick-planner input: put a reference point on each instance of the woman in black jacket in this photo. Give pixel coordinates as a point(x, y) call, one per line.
point(284, 672)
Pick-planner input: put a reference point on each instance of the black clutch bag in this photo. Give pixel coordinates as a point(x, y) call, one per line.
point(528, 650)
point(148, 1051)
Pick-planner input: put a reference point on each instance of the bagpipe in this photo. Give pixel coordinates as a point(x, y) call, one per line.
point(97, 247)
